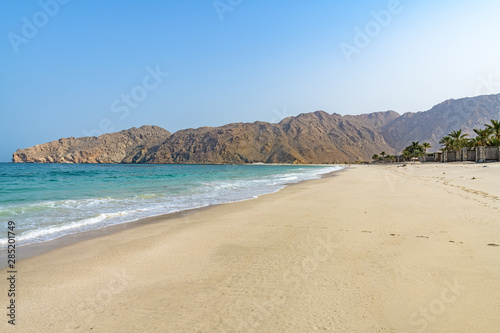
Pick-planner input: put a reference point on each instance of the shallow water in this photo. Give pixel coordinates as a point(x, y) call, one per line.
point(48, 201)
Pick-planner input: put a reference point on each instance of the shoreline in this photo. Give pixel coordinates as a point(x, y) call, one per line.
point(26, 251)
point(367, 251)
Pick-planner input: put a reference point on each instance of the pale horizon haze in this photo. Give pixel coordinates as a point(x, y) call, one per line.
point(76, 68)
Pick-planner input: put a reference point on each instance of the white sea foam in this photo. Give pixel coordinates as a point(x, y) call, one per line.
point(46, 220)
point(41, 234)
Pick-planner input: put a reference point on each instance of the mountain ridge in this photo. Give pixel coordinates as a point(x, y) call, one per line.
point(453, 114)
point(314, 137)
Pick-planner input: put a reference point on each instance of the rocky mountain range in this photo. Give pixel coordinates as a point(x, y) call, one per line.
point(316, 137)
point(432, 125)
point(128, 146)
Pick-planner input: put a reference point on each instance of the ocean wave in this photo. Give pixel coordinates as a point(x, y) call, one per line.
point(41, 234)
point(134, 198)
point(14, 210)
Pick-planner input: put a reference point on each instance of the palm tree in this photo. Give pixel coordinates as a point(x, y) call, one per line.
point(416, 149)
point(375, 157)
point(446, 142)
point(482, 137)
point(459, 140)
point(472, 143)
point(494, 142)
point(494, 128)
point(413, 150)
point(383, 156)
point(426, 145)
point(406, 154)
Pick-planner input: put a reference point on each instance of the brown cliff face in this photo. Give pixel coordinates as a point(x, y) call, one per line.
point(122, 147)
point(316, 137)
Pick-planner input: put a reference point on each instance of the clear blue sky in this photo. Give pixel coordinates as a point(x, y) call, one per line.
point(84, 66)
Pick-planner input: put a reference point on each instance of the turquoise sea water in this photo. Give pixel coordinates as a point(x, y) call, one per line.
point(48, 201)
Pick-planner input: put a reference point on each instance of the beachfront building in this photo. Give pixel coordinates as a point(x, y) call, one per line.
point(479, 154)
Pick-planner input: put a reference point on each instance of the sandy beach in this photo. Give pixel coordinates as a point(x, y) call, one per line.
point(375, 248)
